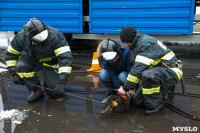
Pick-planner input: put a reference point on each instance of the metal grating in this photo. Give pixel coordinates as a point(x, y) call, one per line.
point(150, 17)
point(65, 15)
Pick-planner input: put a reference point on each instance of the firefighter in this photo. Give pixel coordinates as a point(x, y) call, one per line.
point(116, 62)
point(155, 68)
point(39, 47)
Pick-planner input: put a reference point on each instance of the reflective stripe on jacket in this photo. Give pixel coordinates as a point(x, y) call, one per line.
point(54, 50)
point(148, 52)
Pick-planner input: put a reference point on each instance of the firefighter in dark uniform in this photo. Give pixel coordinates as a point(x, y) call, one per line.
point(40, 47)
point(116, 62)
point(155, 69)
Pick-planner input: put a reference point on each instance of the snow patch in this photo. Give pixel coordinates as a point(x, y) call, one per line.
point(16, 122)
point(3, 70)
point(3, 65)
point(8, 114)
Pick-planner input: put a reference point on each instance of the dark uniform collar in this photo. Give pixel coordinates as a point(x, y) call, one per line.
point(134, 43)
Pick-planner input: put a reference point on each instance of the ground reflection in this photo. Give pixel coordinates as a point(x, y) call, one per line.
point(75, 115)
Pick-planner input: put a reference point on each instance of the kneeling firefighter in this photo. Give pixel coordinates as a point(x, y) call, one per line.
point(116, 62)
point(155, 69)
point(44, 48)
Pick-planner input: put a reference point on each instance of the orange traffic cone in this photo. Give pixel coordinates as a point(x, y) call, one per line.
point(95, 81)
point(95, 64)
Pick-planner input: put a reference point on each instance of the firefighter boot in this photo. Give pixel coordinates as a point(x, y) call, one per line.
point(151, 111)
point(35, 96)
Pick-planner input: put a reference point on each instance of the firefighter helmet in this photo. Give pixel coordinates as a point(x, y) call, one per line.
point(36, 29)
point(111, 51)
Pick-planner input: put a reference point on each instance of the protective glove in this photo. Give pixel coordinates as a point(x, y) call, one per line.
point(17, 80)
point(60, 90)
point(60, 87)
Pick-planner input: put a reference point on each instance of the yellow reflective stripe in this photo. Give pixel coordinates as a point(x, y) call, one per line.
point(53, 66)
point(168, 56)
point(144, 60)
point(152, 62)
point(150, 90)
point(132, 78)
point(26, 75)
point(155, 63)
point(65, 69)
point(46, 59)
point(13, 51)
point(178, 72)
point(11, 63)
point(62, 50)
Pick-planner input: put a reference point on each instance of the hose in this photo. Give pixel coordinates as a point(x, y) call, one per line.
point(88, 99)
point(187, 94)
point(166, 104)
point(178, 111)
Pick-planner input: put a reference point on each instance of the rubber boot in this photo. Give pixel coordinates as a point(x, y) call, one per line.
point(35, 96)
point(151, 111)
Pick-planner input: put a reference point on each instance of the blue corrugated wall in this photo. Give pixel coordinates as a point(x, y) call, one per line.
point(147, 16)
point(65, 15)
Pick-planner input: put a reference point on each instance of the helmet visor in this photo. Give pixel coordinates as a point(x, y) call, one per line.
point(109, 55)
point(41, 36)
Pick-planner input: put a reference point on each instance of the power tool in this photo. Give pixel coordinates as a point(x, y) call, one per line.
point(117, 103)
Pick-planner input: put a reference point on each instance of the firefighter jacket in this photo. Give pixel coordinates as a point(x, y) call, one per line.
point(124, 64)
point(53, 52)
point(147, 52)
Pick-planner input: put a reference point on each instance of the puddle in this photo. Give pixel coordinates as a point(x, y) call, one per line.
point(76, 115)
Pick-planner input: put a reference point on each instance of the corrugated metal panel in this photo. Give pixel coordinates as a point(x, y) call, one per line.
point(65, 15)
point(150, 17)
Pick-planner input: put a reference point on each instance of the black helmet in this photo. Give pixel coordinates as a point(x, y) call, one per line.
point(36, 29)
point(110, 50)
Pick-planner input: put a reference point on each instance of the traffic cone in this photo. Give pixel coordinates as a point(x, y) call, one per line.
point(95, 64)
point(95, 81)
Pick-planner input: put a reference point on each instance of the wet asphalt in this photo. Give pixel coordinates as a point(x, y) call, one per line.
point(75, 115)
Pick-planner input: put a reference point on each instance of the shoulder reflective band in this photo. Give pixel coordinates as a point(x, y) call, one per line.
point(168, 56)
point(64, 70)
point(11, 63)
point(62, 50)
point(13, 51)
point(161, 45)
point(26, 75)
point(152, 62)
point(148, 91)
point(144, 60)
point(53, 66)
point(46, 59)
point(132, 78)
point(178, 72)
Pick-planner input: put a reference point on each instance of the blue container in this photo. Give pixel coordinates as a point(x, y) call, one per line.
point(65, 15)
point(150, 17)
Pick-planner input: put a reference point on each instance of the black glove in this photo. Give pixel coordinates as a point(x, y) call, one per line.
point(16, 79)
point(60, 87)
point(60, 90)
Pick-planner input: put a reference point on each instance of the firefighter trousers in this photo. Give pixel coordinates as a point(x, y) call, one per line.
point(27, 67)
point(155, 83)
